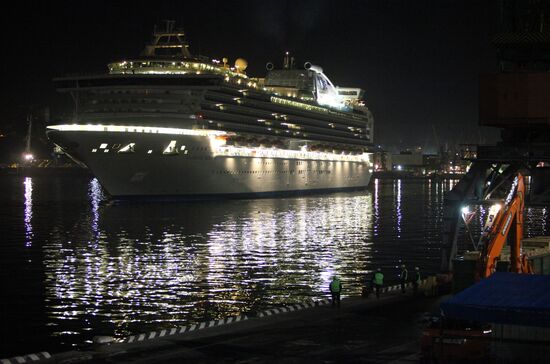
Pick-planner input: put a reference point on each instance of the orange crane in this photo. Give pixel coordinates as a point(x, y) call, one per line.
point(503, 222)
point(448, 340)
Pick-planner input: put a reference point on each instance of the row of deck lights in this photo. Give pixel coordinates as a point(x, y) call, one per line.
point(230, 75)
point(232, 151)
point(238, 76)
point(228, 150)
point(198, 67)
point(217, 139)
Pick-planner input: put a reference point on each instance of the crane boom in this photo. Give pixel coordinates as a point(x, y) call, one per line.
point(508, 221)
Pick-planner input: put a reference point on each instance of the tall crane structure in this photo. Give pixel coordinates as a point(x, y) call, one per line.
point(515, 100)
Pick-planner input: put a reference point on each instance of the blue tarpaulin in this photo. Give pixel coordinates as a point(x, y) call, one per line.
point(504, 298)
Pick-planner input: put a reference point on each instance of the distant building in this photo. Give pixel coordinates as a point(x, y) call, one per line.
point(414, 162)
point(407, 161)
point(432, 162)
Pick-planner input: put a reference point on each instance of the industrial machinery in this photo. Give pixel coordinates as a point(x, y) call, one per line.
point(446, 340)
point(514, 100)
point(499, 246)
point(504, 223)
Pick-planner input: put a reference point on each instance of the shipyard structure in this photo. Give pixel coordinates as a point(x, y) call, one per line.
point(515, 100)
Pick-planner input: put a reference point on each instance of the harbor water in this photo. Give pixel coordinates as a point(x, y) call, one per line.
point(74, 265)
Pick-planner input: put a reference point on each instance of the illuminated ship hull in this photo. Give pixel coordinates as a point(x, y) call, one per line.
point(204, 169)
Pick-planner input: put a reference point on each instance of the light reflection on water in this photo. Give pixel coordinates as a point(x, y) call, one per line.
point(28, 211)
point(134, 272)
point(398, 212)
point(96, 195)
point(126, 268)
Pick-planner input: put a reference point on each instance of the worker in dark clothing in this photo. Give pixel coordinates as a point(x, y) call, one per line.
point(416, 280)
point(335, 290)
point(369, 286)
point(403, 277)
point(378, 281)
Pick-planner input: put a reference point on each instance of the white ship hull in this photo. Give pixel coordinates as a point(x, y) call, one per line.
point(197, 171)
point(172, 124)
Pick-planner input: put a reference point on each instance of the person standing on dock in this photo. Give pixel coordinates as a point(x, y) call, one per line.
point(416, 281)
point(403, 276)
point(335, 290)
point(369, 286)
point(378, 281)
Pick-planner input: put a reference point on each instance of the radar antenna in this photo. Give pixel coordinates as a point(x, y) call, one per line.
point(169, 42)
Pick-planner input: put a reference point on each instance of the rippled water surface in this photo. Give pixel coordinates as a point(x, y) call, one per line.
point(73, 266)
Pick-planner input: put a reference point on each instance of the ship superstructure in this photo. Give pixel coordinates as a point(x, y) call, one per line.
point(171, 123)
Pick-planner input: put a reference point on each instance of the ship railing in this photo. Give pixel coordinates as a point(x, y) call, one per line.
point(288, 154)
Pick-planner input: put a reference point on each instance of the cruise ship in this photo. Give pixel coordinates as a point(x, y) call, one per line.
point(169, 123)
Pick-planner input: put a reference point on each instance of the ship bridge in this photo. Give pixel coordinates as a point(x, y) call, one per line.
point(169, 42)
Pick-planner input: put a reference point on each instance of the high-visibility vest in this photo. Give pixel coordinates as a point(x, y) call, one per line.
point(417, 277)
point(404, 274)
point(378, 278)
point(335, 286)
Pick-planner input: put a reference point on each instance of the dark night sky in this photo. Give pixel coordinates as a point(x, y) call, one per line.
point(418, 61)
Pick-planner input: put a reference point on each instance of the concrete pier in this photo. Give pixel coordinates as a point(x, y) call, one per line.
point(362, 330)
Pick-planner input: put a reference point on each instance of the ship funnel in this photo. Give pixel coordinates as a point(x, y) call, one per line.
point(312, 67)
point(269, 66)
